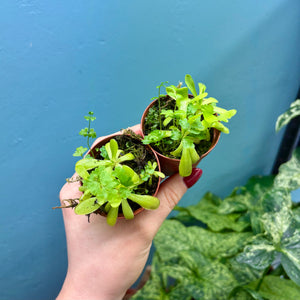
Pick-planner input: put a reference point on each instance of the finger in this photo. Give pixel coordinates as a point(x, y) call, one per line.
point(70, 190)
point(137, 129)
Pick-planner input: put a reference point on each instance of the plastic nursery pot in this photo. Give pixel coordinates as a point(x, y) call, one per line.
point(150, 151)
point(170, 166)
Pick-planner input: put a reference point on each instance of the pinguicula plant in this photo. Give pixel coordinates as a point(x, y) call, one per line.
point(180, 125)
point(113, 180)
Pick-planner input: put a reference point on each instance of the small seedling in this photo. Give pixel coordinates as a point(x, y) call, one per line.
point(87, 132)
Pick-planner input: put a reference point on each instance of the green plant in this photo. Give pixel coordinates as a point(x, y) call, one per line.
point(87, 132)
point(246, 246)
point(187, 123)
point(287, 116)
point(108, 183)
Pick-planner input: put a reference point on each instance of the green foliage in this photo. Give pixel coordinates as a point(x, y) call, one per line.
point(286, 117)
point(149, 172)
point(188, 123)
point(108, 183)
point(246, 246)
point(289, 173)
point(88, 133)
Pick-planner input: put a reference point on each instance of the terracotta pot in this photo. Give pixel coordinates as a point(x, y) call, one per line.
point(169, 165)
point(102, 143)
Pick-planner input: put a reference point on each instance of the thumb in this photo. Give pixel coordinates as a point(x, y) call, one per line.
point(169, 194)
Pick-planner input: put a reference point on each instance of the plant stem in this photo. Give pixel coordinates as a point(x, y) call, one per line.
point(159, 109)
point(159, 116)
point(88, 139)
point(262, 278)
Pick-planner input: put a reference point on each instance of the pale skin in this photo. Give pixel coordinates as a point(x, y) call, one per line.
point(104, 261)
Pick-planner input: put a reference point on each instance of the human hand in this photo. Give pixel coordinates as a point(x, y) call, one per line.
point(104, 261)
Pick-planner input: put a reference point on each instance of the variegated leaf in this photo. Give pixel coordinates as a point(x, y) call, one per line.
point(286, 117)
point(277, 288)
point(259, 255)
point(290, 248)
point(276, 223)
point(289, 173)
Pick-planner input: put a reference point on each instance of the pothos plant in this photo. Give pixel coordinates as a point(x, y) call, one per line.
point(180, 124)
point(108, 183)
point(243, 247)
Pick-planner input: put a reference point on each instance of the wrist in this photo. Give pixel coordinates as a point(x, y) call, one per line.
point(86, 287)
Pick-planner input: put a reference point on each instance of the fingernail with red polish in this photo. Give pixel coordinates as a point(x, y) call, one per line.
point(193, 178)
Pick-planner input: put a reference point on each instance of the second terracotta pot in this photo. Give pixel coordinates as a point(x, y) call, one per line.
point(170, 166)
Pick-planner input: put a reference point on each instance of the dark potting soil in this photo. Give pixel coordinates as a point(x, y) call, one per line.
point(131, 144)
point(168, 145)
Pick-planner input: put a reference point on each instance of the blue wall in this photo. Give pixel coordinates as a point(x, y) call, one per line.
point(60, 59)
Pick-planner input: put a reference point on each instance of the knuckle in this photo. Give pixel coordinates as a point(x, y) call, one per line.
point(171, 197)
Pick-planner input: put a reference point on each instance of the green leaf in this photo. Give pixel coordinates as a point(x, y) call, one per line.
point(290, 261)
point(209, 101)
point(156, 136)
point(190, 84)
point(153, 289)
point(148, 202)
point(219, 245)
point(243, 273)
point(112, 149)
point(171, 239)
point(182, 99)
point(126, 175)
point(244, 293)
point(286, 117)
point(86, 164)
point(162, 84)
point(90, 116)
point(126, 157)
point(223, 114)
point(296, 212)
point(275, 200)
point(289, 173)
point(234, 203)
point(260, 254)
point(219, 126)
point(92, 133)
point(202, 88)
point(171, 91)
point(185, 165)
point(194, 155)
point(127, 211)
point(209, 114)
point(214, 220)
point(277, 223)
point(112, 216)
point(257, 186)
point(84, 132)
point(211, 280)
point(87, 206)
point(290, 249)
point(174, 237)
point(80, 151)
point(277, 288)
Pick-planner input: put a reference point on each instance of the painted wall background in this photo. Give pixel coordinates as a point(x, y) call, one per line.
point(60, 59)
